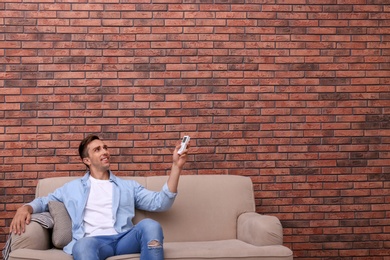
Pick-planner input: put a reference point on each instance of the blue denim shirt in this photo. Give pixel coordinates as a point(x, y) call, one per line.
point(127, 195)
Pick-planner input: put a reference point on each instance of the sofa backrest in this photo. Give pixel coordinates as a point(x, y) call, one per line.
point(206, 207)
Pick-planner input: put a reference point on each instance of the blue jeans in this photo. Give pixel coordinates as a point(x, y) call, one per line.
point(146, 238)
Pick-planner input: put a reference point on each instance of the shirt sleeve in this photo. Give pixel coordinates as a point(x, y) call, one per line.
point(170, 194)
point(40, 204)
point(154, 201)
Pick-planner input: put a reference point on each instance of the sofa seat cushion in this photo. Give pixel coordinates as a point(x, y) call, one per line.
point(219, 250)
point(216, 250)
point(223, 249)
point(31, 254)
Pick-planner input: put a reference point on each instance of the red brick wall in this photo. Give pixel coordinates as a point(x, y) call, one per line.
point(293, 93)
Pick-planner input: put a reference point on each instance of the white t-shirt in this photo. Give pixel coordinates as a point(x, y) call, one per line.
point(98, 218)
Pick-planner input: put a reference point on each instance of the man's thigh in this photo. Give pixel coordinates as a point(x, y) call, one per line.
point(128, 243)
point(91, 248)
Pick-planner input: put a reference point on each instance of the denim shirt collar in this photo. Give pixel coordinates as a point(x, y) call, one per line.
point(85, 178)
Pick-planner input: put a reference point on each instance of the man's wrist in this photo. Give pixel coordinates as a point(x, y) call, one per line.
point(176, 167)
point(29, 208)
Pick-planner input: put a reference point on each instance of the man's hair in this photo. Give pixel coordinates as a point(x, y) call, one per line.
point(83, 152)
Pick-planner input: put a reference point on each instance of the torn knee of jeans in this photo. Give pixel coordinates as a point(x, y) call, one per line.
point(154, 244)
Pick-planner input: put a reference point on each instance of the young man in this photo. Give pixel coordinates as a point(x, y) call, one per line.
point(102, 206)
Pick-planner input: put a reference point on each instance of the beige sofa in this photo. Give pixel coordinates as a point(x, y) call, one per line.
point(213, 217)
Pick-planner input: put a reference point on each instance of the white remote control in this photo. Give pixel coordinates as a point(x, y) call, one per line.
point(184, 143)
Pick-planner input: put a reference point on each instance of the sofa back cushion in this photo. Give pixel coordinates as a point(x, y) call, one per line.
point(206, 207)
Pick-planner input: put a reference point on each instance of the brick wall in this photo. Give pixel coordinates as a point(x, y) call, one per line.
point(293, 93)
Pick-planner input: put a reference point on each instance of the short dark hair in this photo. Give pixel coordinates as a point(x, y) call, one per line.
point(84, 144)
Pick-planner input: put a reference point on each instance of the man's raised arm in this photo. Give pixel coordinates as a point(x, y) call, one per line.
point(177, 165)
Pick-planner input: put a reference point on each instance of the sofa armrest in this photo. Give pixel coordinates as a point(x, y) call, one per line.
point(34, 237)
point(259, 230)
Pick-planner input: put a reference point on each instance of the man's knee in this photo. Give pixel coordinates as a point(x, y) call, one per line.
point(154, 244)
point(150, 224)
point(151, 229)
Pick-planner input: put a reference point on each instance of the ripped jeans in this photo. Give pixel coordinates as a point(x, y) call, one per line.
point(146, 238)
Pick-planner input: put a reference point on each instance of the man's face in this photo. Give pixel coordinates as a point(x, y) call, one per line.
point(98, 156)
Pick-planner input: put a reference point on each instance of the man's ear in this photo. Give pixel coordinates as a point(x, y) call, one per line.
point(86, 161)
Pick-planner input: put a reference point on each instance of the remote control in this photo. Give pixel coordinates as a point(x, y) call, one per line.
point(184, 143)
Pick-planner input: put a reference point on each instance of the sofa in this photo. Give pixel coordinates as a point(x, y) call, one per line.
point(213, 217)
